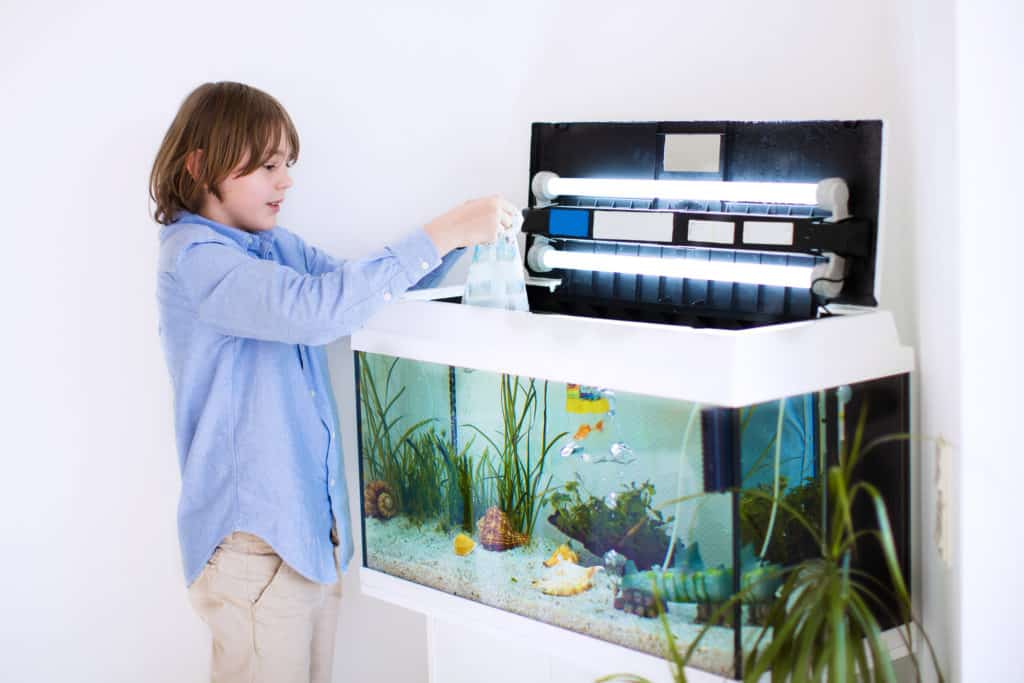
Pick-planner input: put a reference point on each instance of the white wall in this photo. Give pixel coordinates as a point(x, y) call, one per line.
point(403, 110)
point(990, 102)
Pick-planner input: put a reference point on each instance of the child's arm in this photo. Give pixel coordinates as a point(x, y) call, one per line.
point(246, 297)
point(319, 262)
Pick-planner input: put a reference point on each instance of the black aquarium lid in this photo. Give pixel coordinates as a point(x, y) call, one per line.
point(778, 151)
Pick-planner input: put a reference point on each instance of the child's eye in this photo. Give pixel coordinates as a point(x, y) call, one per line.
point(270, 167)
point(290, 163)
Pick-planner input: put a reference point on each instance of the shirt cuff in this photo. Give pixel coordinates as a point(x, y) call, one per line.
point(416, 254)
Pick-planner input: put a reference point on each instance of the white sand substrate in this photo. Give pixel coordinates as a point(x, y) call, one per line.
point(424, 554)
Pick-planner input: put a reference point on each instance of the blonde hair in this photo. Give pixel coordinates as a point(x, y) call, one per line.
point(229, 123)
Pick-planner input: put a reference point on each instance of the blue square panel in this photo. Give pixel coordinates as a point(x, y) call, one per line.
point(568, 223)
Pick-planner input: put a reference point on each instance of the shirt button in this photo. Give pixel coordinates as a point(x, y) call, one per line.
point(424, 265)
point(331, 482)
point(387, 296)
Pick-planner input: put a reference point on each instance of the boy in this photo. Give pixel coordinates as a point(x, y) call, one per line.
point(245, 309)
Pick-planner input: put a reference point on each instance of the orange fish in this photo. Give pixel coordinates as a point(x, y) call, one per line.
point(581, 433)
point(599, 426)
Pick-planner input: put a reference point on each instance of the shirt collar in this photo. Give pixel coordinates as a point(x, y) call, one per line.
point(245, 239)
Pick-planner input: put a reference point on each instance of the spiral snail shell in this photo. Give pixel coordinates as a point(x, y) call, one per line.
point(379, 500)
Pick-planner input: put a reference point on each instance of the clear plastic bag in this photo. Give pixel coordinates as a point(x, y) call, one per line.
point(495, 278)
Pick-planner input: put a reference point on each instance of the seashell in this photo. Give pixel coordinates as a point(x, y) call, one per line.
point(564, 552)
point(496, 532)
point(463, 545)
point(566, 578)
point(379, 500)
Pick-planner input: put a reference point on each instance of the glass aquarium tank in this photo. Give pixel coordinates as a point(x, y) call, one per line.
point(595, 509)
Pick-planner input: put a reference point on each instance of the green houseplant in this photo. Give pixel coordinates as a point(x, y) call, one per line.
point(821, 626)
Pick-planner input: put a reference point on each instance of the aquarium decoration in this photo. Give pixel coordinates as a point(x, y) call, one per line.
point(463, 545)
point(379, 500)
point(690, 581)
point(563, 552)
point(497, 533)
point(583, 399)
point(630, 526)
point(566, 578)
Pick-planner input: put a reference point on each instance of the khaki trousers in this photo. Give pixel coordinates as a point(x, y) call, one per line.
point(269, 623)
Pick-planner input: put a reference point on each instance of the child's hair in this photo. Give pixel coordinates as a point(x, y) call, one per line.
point(230, 123)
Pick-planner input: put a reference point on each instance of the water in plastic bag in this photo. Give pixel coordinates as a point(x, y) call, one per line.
point(495, 278)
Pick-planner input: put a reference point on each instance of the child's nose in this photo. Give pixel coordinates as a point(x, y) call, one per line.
point(285, 181)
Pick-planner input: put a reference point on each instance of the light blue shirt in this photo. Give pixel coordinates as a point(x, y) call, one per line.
point(243, 321)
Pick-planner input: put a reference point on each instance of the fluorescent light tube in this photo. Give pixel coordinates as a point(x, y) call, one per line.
point(830, 193)
point(543, 257)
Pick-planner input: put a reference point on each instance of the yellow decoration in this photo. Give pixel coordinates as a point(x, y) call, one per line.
point(564, 552)
point(585, 405)
point(464, 545)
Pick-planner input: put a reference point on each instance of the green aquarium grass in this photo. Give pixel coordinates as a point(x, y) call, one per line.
point(404, 457)
point(458, 484)
point(422, 473)
point(429, 481)
point(791, 540)
point(518, 474)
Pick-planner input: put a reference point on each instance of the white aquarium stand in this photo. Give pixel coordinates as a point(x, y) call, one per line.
point(720, 367)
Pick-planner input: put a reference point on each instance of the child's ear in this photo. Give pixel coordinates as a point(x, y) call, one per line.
point(193, 163)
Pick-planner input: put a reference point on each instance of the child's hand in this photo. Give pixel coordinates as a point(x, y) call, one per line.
point(474, 222)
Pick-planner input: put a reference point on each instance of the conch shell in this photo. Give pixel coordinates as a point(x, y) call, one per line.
point(564, 552)
point(379, 500)
point(496, 532)
point(566, 578)
point(463, 545)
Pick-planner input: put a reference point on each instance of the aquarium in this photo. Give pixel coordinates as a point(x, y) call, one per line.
point(594, 507)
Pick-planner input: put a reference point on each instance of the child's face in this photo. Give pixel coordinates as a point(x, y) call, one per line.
point(251, 202)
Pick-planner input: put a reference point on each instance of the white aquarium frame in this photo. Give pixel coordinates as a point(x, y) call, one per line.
point(727, 368)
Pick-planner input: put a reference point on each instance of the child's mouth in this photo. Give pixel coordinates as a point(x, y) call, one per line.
point(276, 206)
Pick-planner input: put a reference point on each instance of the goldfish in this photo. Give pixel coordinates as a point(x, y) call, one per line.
point(581, 433)
point(599, 426)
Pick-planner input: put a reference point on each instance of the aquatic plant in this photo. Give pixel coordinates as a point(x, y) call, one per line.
point(822, 625)
point(789, 540)
point(458, 482)
point(629, 525)
point(422, 475)
point(381, 452)
point(518, 474)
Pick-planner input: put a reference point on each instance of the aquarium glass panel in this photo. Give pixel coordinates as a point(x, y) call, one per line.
point(784, 508)
point(594, 510)
point(579, 506)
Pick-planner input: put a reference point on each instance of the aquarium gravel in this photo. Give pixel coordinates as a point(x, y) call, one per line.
point(425, 555)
